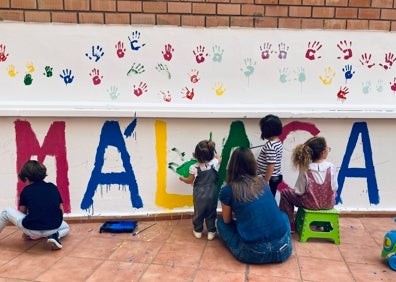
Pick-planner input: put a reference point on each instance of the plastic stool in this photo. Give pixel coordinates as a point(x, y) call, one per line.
point(327, 220)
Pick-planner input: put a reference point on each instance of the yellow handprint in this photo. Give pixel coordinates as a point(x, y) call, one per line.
point(219, 88)
point(11, 71)
point(30, 67)
point(329, 74)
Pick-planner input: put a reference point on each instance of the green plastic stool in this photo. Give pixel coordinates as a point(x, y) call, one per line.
point(327, 220)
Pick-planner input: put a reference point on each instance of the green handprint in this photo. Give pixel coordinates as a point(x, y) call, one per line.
point(28, 79)
point(48, 71)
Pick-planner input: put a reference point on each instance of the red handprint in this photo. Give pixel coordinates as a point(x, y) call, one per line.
point(120, 49)
point(312, 49)
point(346, 49)
point(389, 60)
point(194, 76)
point(266, 51)
point(200, 54)
point(167, 53)
point(365, 60)
point(189, 94)
point(140, 90)
point(3, 54)
point(393, 85)
point(96, 77)
point(166, 96)
point(342, 93)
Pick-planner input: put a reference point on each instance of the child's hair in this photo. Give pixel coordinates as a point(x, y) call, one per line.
point(242, 176)
point(310, 151)
point(33, 171)
point(205, 151)
point(270, 126)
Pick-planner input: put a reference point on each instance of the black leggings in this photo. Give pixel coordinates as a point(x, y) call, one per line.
point(274, 182)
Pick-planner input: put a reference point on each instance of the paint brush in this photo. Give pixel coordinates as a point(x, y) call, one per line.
point(147, 227)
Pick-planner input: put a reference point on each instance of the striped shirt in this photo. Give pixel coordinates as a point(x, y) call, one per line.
point(271, 153)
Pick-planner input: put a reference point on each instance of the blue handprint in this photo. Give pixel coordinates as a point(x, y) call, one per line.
point(134, 40)
point(348, 72)
point(67, 76)
point(96, 53)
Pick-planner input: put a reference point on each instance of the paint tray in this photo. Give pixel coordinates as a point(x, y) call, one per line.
point(118, 226)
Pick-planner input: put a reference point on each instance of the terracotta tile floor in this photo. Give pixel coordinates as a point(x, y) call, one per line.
point(168, 251)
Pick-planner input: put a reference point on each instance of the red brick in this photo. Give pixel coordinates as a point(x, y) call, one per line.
point(168, 20)
point(289, 23)
point(94, 18)
point(181, 8)
point(359, 3)
point(154, 7)
point(357, 24)
point(313, 2)
point(312, 23)
point(242, 21)
point(346, 13)
point(379, 25)
point(64, 17)
point(117, 18)
point(213, 21)
point(369, 13)
point(276, 11)
point(388, 14)
point(4, 3)
point(266, 2)
point(23, 4)
point(148, 19)
point(253, 10)
point(196, 21)
point(228, 9)
point(298, 12)
point(334, 24)
point(289, 2)
point(321, 12)
point(336, 3)
point(103, 5)
point(130, 6)
point(12, 15)
point(393, 26)
point(38, 17)
point(77, 5)
point(50, 4)
point(246, 2)
point(382, 3)
point(204, 8)
point(266, 22)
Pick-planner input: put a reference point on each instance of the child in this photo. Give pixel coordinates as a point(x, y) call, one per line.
point(316, 183)
point(270, 157)
point(261, 232)
point(204, 177)
point(40, 212)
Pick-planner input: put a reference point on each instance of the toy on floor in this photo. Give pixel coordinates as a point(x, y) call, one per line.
point(389, 250)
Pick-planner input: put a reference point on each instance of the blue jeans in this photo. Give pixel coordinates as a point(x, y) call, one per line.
point(16, 217)
point(255, 253)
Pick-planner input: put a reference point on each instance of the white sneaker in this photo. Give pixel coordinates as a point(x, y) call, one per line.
point(197, 235)
point(211, 235)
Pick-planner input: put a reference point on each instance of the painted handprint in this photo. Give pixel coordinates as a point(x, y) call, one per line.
point(282, 50)
point(187, 93)
point(217, 54)
point(200, 54)
point(30, 67)
point(249, 67)
point(313, 48)
point(168, 52)
point(300, 75)
point(96, 77)
point(139, 90)
point(341, 94)
point(219, 88)
point(346, 48)
point(328, 76)
point(96, 53)
point(389, 60)
point(113, 92)
point(134, 41)
point(379, 87)
point(120, 49)
point(266, 50)
point(136, 68)
point(193, 75)
point(164, 69)
point(366, 87)
point(11, 71)
point(28, 79)
point(48, 71)
point(348, 72)
point(365, 60)
point(284, 75)
point(3, 54)
point(67, 76)
point(393, 85)
point(166, 96)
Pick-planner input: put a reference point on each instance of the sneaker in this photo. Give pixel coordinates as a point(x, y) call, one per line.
point(53, 241)
point(211, 235)
point(197, 235)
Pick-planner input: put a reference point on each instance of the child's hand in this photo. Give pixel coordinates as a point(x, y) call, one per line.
point(218, 157)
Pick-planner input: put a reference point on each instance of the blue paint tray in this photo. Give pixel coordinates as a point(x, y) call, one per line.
point(118, 226)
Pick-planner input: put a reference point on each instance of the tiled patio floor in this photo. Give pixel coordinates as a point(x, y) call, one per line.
point(168, 251)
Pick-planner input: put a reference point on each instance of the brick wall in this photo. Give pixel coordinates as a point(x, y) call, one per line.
point(299, 14)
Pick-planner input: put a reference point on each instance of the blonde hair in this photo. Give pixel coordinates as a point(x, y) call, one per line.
point(310, 151)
